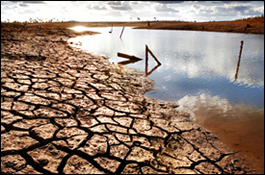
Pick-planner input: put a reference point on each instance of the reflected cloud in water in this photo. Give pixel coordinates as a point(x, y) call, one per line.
point(239, 126)
point(192, 62)
point(205, 105)
point(208, 65)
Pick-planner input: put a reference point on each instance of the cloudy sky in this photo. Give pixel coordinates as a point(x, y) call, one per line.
point(130, 10)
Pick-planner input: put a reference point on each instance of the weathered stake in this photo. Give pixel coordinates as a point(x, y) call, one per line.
point(111, 29)
point(148, 50)
point(146, 60)
point(238, 62)
point(122, 31)
point(131, 57)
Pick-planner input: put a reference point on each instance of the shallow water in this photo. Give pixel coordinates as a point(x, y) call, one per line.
point(198, 72)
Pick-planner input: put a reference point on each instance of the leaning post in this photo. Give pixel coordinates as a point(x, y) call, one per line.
point(146, 59)
point(239, 57)
point(122, 31)
point(148, 50)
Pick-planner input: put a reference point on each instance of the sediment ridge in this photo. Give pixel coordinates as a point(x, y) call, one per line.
point(64, 110)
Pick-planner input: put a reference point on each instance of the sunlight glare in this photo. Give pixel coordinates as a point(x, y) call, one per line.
point(79, 28)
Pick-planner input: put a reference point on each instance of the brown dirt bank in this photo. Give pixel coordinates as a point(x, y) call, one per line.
point(64, 110)
point(251, 25)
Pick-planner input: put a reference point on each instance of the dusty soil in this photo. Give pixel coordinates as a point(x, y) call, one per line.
point(64, 110)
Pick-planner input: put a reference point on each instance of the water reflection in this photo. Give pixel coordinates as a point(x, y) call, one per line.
point(193, 62)
point(205, 105)
point(196, 65)
point(79, 28)
point(151, 71)
point(93, 29)
point(127, 62)
point(208, 55)
point(239, 126)
point(198, 73)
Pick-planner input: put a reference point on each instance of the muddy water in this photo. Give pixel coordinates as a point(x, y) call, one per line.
point(198, 72)
point(239, 126)
point(244, 137)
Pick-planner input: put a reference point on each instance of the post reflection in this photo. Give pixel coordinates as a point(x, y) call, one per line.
point(150, 72)
point(127, 62)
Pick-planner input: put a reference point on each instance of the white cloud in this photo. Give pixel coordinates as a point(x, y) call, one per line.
point(96, 7)
point(23, 5)
point(134, 2)
point(146, 10)
point(164, 8)
point(33, 2)
point(114, 3)
point(121, 6)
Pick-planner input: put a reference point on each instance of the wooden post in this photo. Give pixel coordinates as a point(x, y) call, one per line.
point(122, 31)
point(111, 29)
point(131, 57)
point(146, 60)
point(148, 50)
point(238, 62)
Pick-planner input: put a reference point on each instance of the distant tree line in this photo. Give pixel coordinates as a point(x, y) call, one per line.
point(255, 17)
point(36, 20)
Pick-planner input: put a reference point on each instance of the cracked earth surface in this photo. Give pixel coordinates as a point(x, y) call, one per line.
point(64, 110)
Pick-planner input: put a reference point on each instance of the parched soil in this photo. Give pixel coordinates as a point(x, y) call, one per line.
point(64, 110)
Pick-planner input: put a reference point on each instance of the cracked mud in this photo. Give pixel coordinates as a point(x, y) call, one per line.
point(64, 110)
